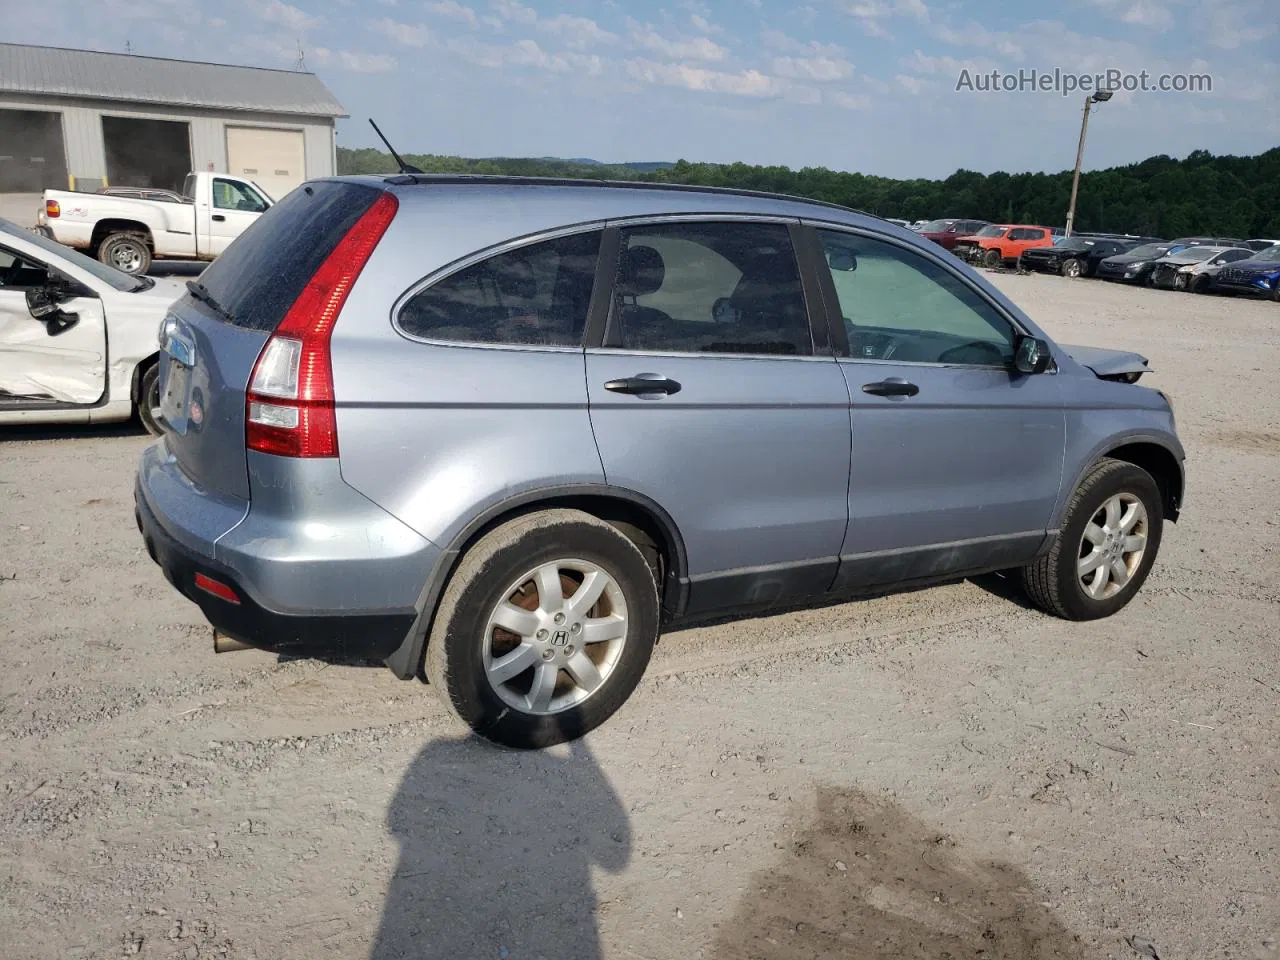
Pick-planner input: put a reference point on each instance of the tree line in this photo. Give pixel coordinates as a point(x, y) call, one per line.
point(1160, 196)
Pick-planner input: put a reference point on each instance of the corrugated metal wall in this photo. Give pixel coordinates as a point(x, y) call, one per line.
point(86, 152)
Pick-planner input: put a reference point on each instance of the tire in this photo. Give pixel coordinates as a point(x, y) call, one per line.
point(1053, 582)
point(149, 398)
point(465, 644)
point(1200, 284)
point(992, 259)
point(127, 252)
point(1180, 281)
point(1072, 268)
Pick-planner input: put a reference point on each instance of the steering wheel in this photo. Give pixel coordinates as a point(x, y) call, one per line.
point(991, 354)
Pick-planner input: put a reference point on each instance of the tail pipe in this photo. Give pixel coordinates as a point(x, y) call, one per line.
point(224, 644)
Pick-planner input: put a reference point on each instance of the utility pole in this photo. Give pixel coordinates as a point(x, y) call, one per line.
point(1099, 96)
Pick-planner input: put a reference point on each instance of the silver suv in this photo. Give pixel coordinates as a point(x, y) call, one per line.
point(500, 432)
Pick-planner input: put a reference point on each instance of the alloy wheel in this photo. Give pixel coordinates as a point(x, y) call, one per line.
point(1112, 546)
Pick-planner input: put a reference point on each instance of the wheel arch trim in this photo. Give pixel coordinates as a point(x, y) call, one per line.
point(405, 661)
point(1142, 449)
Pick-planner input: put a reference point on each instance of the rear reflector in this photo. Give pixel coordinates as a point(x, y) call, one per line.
point(289, 406)
point(52, 208)
point(216, 588)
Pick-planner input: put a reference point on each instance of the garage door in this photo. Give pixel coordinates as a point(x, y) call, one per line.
point(32, 157)
point(273, 159)
point(147, 153)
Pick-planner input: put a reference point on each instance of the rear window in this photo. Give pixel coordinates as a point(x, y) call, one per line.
point(259, 276)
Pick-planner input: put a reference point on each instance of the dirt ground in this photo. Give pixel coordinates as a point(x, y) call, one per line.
point(940, 774)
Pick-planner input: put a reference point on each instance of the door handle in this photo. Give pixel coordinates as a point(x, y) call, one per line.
point(218, 217)
point(892, 387)
point(647, 386)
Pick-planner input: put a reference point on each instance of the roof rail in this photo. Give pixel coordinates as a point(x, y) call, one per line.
point(509, 180)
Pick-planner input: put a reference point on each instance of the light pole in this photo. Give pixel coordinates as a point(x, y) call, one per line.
point(1098, 96)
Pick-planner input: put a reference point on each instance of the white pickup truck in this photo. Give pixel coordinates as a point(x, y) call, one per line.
point(128, 233)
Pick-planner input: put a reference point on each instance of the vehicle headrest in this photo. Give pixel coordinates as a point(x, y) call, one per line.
point(515, 278)
point(642, 271)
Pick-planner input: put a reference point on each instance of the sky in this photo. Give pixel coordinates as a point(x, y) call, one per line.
point(865, 85)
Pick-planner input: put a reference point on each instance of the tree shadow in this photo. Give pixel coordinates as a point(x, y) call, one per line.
point(865, 879)
point(496, 851)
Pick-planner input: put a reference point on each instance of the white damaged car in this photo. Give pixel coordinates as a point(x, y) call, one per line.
point(78, 339)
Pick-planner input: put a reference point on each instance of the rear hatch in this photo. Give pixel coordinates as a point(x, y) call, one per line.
point(214, 334)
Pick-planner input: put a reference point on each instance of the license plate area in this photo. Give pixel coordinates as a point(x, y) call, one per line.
point(175, 383)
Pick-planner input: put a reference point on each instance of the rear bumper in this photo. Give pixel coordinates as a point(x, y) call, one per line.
point(326, 574)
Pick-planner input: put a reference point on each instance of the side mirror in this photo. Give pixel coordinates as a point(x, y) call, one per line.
point(842, 260)
point(41, 302)
point(1032, 355)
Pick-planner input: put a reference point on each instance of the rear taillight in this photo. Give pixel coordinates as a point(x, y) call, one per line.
point(52, 208)
point(289, 408)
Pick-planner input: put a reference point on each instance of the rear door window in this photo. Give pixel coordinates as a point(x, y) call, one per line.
point(710, 288)
point(537, 295)
point(262, 272)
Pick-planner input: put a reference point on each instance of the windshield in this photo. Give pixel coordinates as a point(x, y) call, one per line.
point(992, 231)
point(114, 278)
point(1149, 250)
point(1199, 253)
point(1076, 243)
point(936, 226)
point(1268, 255)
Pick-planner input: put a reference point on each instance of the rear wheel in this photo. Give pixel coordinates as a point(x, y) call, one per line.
point(127, 252)
point(1071, 268)
point(1108, 542)
point(544, 630)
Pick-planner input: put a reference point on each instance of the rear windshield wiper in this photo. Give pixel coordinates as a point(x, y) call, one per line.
point(201, 293)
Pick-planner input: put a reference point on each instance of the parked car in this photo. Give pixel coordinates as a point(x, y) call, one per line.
point(917, 225)
point(945, 233)
point(1178, 271)
point(501, 433)
point(996, 243)
point(1182, 242)
point(1260, 244)
point(77, 338)
point(1259, 275)
point(128, 233)
point(1075, 256)
point(1133, 266)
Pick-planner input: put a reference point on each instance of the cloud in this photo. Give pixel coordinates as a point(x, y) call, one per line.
point(702, 23)
point(871, 14)
point(820, 69)
point(847, 101)
point(516, 12)
point(778, 40)
point(354, 62)
point(577, 32)
point(1138, 13)
point(910, 84)
point(452, 10)
point(524, 53)
point(681, 48)
point(747, 83)
point(976, 35)
point(405, 34)
point(274, 11)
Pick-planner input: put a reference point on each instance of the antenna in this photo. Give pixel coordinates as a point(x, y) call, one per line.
point(128, 47)
point(404, 167)
point(301, 63)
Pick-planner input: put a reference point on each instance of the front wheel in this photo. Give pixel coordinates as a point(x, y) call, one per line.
point(992, 259)
point(545, 629)
point(1108, 542)
point(148, 402)
point(1071, 268)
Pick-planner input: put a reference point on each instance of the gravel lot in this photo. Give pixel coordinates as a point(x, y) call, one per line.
point(944, 773)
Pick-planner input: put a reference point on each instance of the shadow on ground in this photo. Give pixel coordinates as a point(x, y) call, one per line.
point(496, 852)
point(866, 880)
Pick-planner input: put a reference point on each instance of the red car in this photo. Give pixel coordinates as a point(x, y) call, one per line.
point(945, 233)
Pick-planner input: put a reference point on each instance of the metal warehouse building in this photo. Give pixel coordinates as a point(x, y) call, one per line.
point(81, 120)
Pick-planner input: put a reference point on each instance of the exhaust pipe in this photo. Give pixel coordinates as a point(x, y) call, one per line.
point(224, 644)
